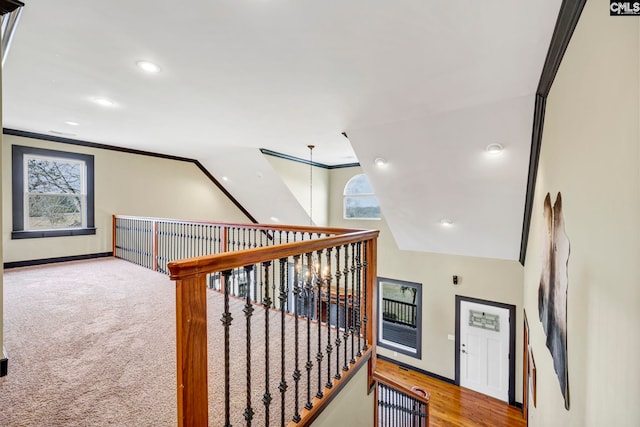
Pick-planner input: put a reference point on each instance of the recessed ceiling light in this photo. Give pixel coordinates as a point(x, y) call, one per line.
point(494, 149)
point(274, 219)
point(72, 123)
point(104, 102)
point(446, 222)
point(147, 66)
point(225, 178)
point(380, 162)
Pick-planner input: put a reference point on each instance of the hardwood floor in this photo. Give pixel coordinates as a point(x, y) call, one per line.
point(453, 406)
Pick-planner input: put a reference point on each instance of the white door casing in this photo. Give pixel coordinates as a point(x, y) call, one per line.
point(484, 349)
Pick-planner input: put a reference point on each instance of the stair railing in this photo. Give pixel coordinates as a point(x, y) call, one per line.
point(398, 405)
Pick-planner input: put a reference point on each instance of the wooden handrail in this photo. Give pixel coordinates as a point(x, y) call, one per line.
point(226, 261)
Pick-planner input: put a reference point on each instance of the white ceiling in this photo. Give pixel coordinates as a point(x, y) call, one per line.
point(425, 84)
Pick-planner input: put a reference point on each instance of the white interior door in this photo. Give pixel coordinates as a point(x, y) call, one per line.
point(484, 349)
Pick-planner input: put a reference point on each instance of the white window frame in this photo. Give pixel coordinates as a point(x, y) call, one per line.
point(358, 196)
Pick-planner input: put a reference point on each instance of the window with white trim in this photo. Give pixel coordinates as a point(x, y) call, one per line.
point(359, 200)
point(52, 193)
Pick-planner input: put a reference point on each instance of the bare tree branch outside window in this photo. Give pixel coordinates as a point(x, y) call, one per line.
point(55, 193)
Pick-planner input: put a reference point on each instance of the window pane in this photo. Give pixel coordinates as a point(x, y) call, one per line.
point(361, 207)
point(50, 211)
point(359, 184)
point(54, 176)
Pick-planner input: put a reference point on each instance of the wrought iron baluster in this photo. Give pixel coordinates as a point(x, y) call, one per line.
point(192, 240)
point(125, 235)
point(131, 242)
point(136, 253)
point(283, 348)
point(266, 397)
point(202, 243)
point(175, 241)
point(140, 241)
point(226, 322)
point(309, 293)
point(183, 237)
point(273, 284)
point(244, 238)
point(296, 372)
point(216, 239)
point(318, 308)
point(150, 240)
point(160, 253)
point(338, 375)
point(248, 311)
point(329, 383)
point(211, 232)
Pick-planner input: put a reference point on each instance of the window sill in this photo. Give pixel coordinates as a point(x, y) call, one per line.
point(38, 234)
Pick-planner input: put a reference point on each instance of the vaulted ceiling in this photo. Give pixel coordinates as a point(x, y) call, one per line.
point(427, 85)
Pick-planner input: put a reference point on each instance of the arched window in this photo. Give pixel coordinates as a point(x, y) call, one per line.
point(359, 200)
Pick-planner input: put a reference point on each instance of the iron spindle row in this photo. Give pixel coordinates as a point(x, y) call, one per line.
point(134, 240)
point(185, 240)
point(399, 312)
point(399, 409)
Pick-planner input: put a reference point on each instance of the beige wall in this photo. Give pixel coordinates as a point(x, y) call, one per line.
point(590, 153)
point(297, 178)
point(353, 407)
point(489, 279)
point(127, 184)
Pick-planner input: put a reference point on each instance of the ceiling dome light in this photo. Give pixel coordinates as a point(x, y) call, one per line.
point(274, 219)
point(494, 149)
point(380, 162)
point(104, 102)
point(147, 66)
point(72, 123)
point(446, 222)
point(225, 178)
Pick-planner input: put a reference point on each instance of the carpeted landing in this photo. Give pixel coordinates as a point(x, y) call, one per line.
point(92, 343)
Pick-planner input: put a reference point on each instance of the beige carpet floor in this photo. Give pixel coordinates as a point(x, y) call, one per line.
point(92, 343)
